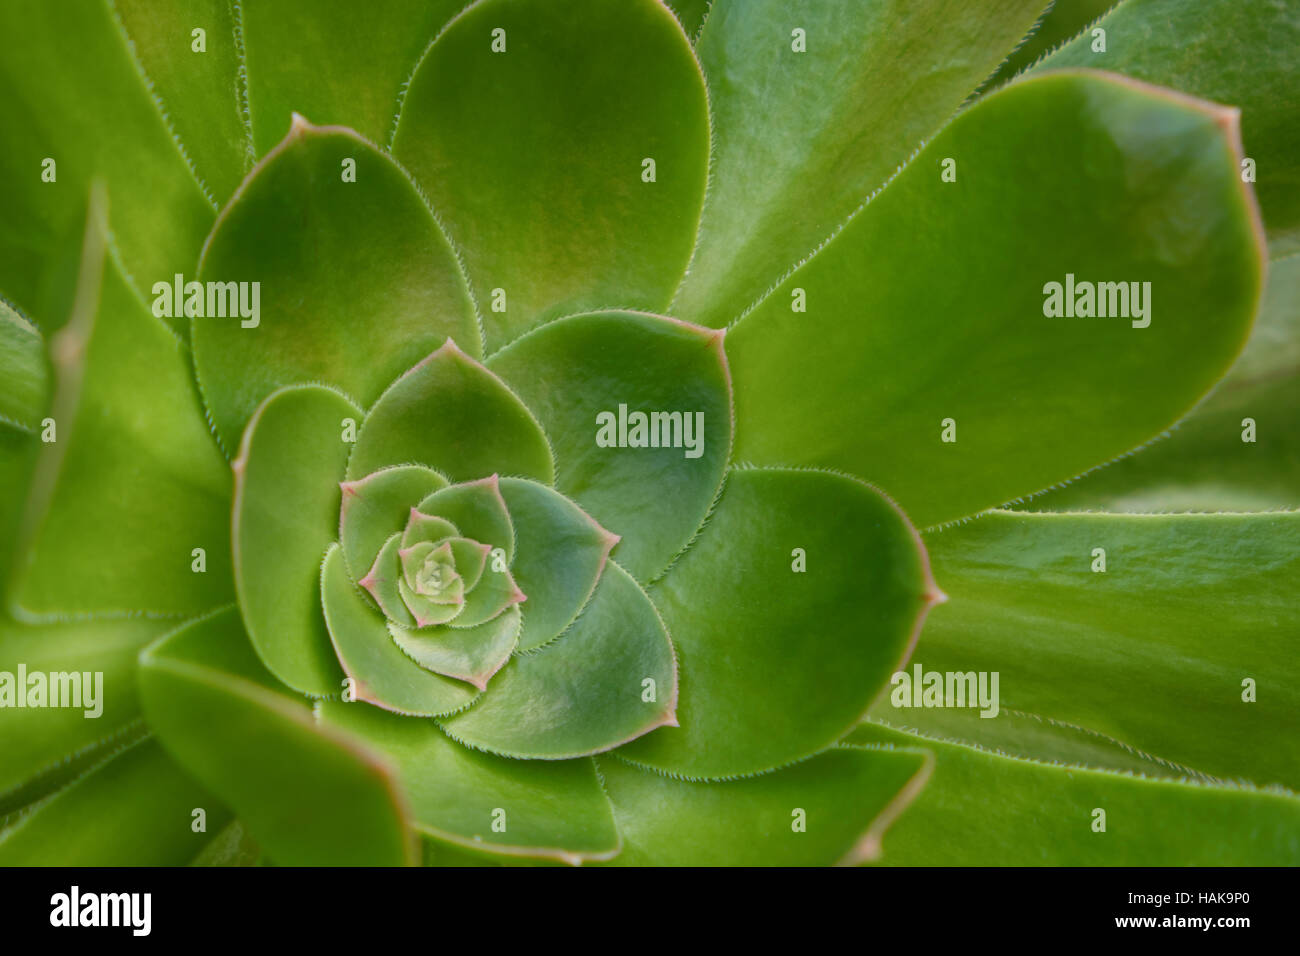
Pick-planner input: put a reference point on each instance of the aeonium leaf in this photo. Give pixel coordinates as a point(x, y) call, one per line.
point(561, 554)
point(638, 408)
point(128, 509)
point(24, 369)
point(1170, 637)
point(962, 341)
point(452, 414)
point(380, 672)
point(191, 58)
point(1046, 815)
point(78, 110)
point(478, 511)
point(135, 807)
point(803, 592)
point(286, 513)
point(369, 53)
point(609, 678)
point(379, 506)
point(516, 124)
point(529, 808)
point(340, 274)
point(47, 746)
point(1238, 450)
point(469, 654)
point(310, 794)
point(832, 808)
point(1202, 49)
point(815, 105)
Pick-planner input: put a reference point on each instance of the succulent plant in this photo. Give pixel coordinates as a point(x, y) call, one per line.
point(534, 431)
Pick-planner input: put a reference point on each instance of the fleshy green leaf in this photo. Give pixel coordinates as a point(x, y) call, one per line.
point(1043, 815)
point(1204, 464)
point(1062, 21)
point(383, 583)
point(311, 795)
point(781, 662)
point(831, 808)
point(24, 371)
point(690, 14)
point(357, 283)
point(74, 95)
point(378, 506)
point(1236, 53)
point(580, 374)
point(196, 88)
point(133, 809)
point(535, 155)
point(46, 746)
point(286, 515)
point(549, 808)
point(133, 483)
point(470, 654)
point(381, 673)
point(611, 677)
point(1150, 656)
point(801, 138)
point(949, 331)
point(334, 60)
point(478, 511)
point(231, 846)
point(561, 554)
point(451, 413)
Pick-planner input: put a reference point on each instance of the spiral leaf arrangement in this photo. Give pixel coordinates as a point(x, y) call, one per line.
point(458, 434)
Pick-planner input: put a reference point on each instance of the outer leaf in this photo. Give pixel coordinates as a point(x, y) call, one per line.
point(586, 692)
point(1150, 655)
point(1043, 816)
point(74, 94)
point(133, 482)
point(232, 846)
point(1062, 21)
point(369, 52)
point(45, 747)
point(132, 809)
point(285, 515)
point(573, 370)
point(1236, 53)
point(24, 371)
point(470, 654)
point(561, 554)
point(844, 798)
point(1137, 184)
point(382, 674)
point(451, 413)
point(197, 91)
point(801, 138)
point(357, 283)
point(378, 507)
point(529, 155)
point(550, 809)
point(690, 13)
point(1205, 465)
point(781, 663)
point(311, 795)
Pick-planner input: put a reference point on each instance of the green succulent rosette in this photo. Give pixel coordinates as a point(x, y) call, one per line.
point(524, 431)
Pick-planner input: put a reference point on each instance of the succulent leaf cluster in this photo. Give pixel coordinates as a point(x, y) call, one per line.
point(521, 430)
